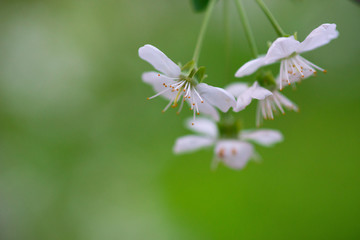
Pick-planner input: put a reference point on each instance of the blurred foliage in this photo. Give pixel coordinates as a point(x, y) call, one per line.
point(200, 5)
point(84, 156)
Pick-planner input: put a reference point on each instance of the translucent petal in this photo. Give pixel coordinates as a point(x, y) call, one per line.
point(192, 143)
point(159, 60)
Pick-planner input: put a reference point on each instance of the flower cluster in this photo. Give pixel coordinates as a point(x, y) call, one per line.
point(233, 146)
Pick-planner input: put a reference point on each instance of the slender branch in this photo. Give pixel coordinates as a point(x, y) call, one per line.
point(248, 32)
point(203, 30)
point(271, 18)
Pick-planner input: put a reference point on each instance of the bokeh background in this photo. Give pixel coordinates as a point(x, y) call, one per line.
point(84, 156)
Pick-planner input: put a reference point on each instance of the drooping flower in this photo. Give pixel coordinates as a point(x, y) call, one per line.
point(234, 152)
point(269, 101)
point(293, 67)
point(179, 86)
point(246, 94)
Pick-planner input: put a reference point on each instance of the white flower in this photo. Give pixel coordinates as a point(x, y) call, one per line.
point(293, 67)
point(234, 153)
point(273, 103)
point(269, 101)
point(172, 84)
point(246, 94)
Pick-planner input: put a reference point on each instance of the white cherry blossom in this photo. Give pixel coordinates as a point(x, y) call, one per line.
point(246, 94)
point(233, 152)
point(269, 101)
point(178, 87)
point(293, 67)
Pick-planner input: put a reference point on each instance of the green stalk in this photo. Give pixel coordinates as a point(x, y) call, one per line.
point(247, 29)
point(227, 41)
point(271, 18)
point(203, 30)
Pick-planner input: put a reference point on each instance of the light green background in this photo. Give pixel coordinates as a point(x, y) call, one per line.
point(84, 156)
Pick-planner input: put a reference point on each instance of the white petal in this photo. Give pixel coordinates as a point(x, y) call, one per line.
point(234, 153)
point(243, 101)
point(250, 67)
point(282, 47)
point(157, 81)
point(236, 89)
point(203, 126)
point(191, 143)
point(319, 37)
point(265, 137)
point(255, 91)
point(217, 97)
point(207, 109)
point(259, 92)
point(159, 60)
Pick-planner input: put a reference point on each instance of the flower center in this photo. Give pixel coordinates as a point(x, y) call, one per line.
point(181, 89)
point(294, 68)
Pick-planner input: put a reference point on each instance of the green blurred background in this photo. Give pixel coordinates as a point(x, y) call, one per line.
point(84, 156)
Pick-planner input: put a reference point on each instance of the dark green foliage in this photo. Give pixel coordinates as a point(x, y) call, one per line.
point(200, 5)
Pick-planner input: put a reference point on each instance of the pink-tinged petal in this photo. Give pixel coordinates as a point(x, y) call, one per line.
point(215, 96)
point(157, 81)
point(250, 67)
point(283, 47)
point(159, 60)
point(236, 89)
point(233, 153)
point(259, 92)
point(191, 143)
point(265, 137)
point(319, 37)
point(203, 126)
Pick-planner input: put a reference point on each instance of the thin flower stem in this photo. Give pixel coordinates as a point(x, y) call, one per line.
point(227, 41)
point(271, 18)
point(203, 30)
point(248, 32)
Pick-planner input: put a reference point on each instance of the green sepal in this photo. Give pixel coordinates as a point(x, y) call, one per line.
point(266, 80)
point(192, 73)
point(188, 67)
point(295, 35)
point(200, 74)
point(229, 126)
point(200, 5)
